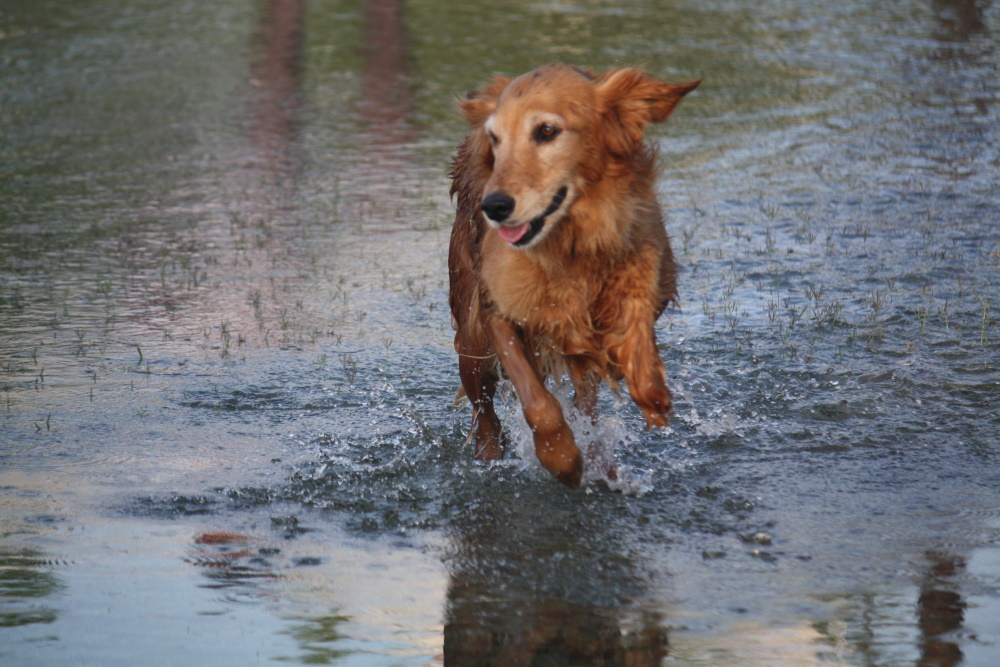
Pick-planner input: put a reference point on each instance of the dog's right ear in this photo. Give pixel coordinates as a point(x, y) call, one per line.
point(631, 100)
point(479, 104)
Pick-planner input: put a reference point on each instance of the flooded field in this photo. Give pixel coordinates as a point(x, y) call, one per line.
point(227, 433)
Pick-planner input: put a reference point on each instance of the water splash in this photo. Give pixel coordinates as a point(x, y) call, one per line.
point(598, 441)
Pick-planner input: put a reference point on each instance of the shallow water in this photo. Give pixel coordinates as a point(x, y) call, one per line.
point(226, 430)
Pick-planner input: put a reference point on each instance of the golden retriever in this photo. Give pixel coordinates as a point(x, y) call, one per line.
point(559, 261)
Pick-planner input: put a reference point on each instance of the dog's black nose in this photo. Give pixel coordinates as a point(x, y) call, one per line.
point(498, 206)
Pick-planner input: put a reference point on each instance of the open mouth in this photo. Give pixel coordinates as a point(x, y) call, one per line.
point(521, 235)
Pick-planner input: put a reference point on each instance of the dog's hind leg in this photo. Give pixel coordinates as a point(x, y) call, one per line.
point(586, 382)
point(585, 386)
point(554, 442)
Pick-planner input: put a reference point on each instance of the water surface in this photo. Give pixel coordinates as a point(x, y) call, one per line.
point(226, 373)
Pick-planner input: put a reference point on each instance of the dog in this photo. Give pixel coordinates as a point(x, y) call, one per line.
point(559, 262)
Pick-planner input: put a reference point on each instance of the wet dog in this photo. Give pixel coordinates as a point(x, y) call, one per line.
point(559, 261)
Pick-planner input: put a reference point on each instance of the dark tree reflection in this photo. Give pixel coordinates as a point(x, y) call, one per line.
point(276, 76)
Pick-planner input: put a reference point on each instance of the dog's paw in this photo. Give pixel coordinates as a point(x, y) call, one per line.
point(657, 417)
point(558, 453)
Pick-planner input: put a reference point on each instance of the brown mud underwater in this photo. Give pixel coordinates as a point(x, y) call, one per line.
point(227, 433)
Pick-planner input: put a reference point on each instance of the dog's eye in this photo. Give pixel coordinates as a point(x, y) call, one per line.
point(546, 132)
point(493, 138)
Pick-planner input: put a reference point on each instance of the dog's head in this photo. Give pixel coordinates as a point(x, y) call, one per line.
point(550, 134)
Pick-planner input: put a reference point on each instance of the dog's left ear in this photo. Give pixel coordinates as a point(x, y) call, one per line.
point(479, 104)
point(632, 99)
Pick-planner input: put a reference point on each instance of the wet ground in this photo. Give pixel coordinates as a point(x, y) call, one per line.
point(226, 373)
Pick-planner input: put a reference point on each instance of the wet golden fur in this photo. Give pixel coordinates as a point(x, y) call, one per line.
point(562, 150)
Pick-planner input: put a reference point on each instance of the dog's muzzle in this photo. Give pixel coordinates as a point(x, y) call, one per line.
point(499, 205)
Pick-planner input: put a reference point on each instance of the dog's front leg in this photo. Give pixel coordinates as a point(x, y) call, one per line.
point(629, 309)
point(645, 374)
point(554, 442)
point(642, 366)
point(477, 368)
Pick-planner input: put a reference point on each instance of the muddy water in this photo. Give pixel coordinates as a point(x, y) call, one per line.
point(226, 431)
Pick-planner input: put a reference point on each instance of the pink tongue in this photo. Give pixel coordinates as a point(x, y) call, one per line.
point(513, 234)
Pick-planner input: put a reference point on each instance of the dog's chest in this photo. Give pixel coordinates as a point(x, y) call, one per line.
point(553, 307)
